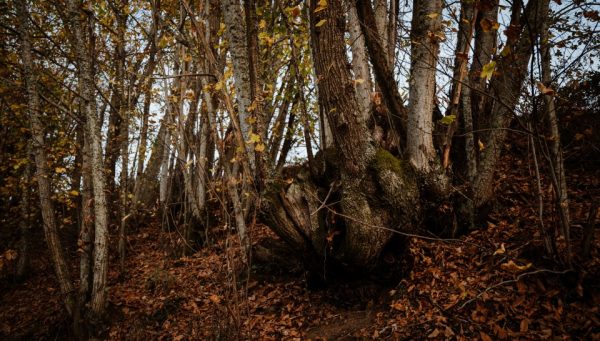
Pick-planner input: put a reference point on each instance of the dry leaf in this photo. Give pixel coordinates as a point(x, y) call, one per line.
point(434, 333)
point(321, 23)
point(514, 267)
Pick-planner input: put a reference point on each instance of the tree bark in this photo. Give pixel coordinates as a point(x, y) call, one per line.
point(25, 223)
point(360, 62)
point(86, 233)
point(41, 161)
point(87, 91)
point(505, 89)
point(484, 47)
point(383, 73)
point(373, 187)
point(559, 180)
point(425, 31)
point(238, 48)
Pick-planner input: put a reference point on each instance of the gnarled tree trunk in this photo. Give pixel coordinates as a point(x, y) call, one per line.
point(376, 191)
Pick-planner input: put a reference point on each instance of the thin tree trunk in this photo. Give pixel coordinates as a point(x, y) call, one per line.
point(41, 161)
point(124, 184)
point(426, 26)
point(86, 233)
point(505, 89)
point(25, 222)
point(164, 158)
point(556, 155)
point(381, 22)
point(117, 123)
point(360, 63)
point(87, 91)
point(484, 48)
point(463, 43)
point(241, 69)
point(383, 73)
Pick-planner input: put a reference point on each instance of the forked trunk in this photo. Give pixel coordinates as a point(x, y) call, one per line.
point(376, 192)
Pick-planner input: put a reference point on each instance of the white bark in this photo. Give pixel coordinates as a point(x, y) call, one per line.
point(360, 63)
point(87, 92)
point(41, 161)
point(381, 15)
point(422, 83)
point(236, 36)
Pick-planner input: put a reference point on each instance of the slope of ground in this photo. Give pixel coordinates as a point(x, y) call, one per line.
point(490, 284)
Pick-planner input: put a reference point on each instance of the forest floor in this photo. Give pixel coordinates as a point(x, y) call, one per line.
point(493, 283)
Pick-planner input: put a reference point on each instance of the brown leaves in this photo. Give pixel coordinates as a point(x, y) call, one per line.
point(488, 25)
point(592, 15)
point(545, 90)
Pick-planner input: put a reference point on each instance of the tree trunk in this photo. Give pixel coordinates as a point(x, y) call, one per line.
point(117, 123)
point(236, 37)
point(374, 189)
point(484, 47)
point(381, 22)
point(383, 72)
point(41, 161)
point(87, 91)
point(559, 180)
point(86, 233)
point(360, 62)
point(425, 30)
point(505, 89)
point(25, 223)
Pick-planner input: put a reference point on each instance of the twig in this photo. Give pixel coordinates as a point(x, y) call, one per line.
point(509, 282)
point(184, 75)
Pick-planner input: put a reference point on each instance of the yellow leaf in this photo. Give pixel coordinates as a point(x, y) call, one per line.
point(505, 51)
point(321, 5)
point(488, 70)
point(254, 138)
point(358, 81)
point(260, 147)
point(432, 15)
point(262, 24)
point(481, 145)
point(218, 86)
point(74, 193)
point(60, 170)
point(321, 23)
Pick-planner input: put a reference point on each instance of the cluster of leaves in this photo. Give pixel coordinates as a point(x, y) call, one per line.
point(491, 284)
